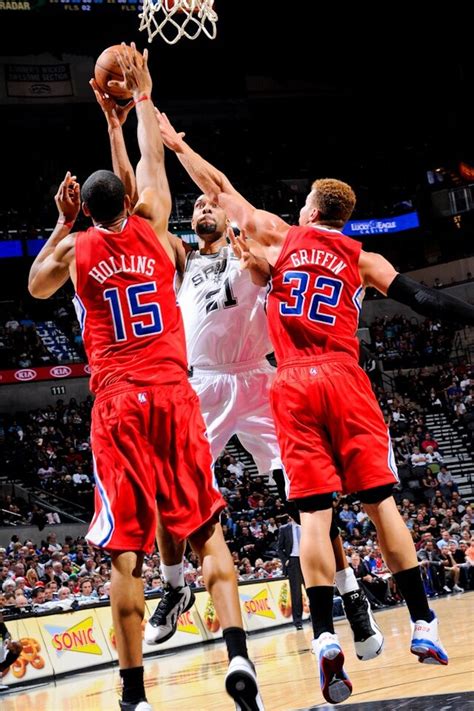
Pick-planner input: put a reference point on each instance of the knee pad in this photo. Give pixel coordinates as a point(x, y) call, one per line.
point(375, 495)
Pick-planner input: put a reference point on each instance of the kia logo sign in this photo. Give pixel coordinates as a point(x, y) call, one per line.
point(87, 369)
point(25, 374)
point(60, 371)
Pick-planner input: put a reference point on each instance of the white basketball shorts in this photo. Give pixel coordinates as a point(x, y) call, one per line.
point(235, 400)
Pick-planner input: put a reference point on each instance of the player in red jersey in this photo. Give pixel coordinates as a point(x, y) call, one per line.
point(162, 624)
point(330, 427)
point(151, 454)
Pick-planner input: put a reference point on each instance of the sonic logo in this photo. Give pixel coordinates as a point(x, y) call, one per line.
point(79, 638)
point(186, 623)
point(258, 605)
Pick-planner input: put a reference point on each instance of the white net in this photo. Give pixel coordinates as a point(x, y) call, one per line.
point(174, 19)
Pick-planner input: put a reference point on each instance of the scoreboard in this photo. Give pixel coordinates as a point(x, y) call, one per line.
point(70, 6)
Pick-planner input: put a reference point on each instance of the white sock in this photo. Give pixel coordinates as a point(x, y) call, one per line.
point(173, 574)
point(346, 581)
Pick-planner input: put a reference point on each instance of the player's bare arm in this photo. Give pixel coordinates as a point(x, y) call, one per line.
point(55, 263)
point(181, 250)
point(154, 199)
point(377, 271)
point(264, 227)
point(116, 115)
point(246, 251)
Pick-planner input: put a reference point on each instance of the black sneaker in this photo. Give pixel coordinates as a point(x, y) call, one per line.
point(135, 706)
point(162, 624)
point(368, 638)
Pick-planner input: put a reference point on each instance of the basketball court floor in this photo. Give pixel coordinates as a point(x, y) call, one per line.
point(194, 680)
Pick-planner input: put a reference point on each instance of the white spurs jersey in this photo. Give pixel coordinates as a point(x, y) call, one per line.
point(223, 311)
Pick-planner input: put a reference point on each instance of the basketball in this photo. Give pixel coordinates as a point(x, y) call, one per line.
point(107, 69)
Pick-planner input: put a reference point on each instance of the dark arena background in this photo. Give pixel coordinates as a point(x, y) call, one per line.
point(287, 92)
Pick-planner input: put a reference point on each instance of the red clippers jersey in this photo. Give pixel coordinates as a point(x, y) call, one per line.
point(126, 305)
point(316, 295)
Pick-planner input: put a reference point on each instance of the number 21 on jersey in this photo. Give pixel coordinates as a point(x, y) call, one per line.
point(127, 308)
point(325, 296)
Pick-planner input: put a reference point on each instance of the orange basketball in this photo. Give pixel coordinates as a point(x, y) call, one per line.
point(107, 69)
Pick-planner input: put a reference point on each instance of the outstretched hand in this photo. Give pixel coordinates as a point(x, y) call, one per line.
point(241, 249)
point(136, 75)
point(115, 114)
point(171, 138)
point(68, 198)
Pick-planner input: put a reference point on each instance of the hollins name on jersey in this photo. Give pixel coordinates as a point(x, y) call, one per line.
point(134, 263)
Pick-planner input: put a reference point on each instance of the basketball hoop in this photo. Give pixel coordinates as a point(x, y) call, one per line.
point(174, 19)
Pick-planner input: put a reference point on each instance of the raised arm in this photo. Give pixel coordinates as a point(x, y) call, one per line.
point(154, 199)
point(376, 271)
point(116, 115)
point(52, 267)
point(263, 227)
point(247, 252)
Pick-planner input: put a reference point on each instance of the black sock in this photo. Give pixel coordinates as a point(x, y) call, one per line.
point(236, 642)
point(410, 584)
point(320, 604)
point(133, 688)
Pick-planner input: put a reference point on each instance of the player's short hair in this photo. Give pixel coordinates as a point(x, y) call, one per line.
point(103, 193)
point(335, 201)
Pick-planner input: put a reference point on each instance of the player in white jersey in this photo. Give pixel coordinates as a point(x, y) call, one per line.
point(227, 356)
point(222, 301)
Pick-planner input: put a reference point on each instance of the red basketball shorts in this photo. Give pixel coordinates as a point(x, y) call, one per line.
point(330, 428)
point(150, 450)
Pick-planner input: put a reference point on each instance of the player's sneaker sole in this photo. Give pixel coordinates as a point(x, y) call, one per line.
point(335, 684)
point(139, 706)
point(241, 685)
point(429, 653)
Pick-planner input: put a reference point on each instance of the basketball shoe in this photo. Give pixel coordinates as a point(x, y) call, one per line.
point(335, 683)
point(135, 706)
point(426, 644)
point(162, 624)
point(241, 684)
point(368, 638)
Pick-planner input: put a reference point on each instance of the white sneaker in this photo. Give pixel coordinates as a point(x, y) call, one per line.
point(447, 589)
point(368, 637)
point(456, 588)
point(140, 706)
point(426, 644)
point(241, 684)
point(164, 621)
point(335, 684)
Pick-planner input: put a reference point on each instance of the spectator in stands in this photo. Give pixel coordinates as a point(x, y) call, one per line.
point(432, 569)
point(429, 441)
point(374, 587)
point(87, 593)
point(446, 483)
point(451, 568)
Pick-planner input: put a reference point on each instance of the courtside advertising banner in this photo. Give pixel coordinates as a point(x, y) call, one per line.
point(258, 607)
point(208, 615)
point(34, 662)
point(74, 640)
point(280, 591)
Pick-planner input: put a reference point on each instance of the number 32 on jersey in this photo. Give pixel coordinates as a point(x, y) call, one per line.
point(325, 296)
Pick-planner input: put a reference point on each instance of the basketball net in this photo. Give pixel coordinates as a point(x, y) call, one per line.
point(174, 19)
